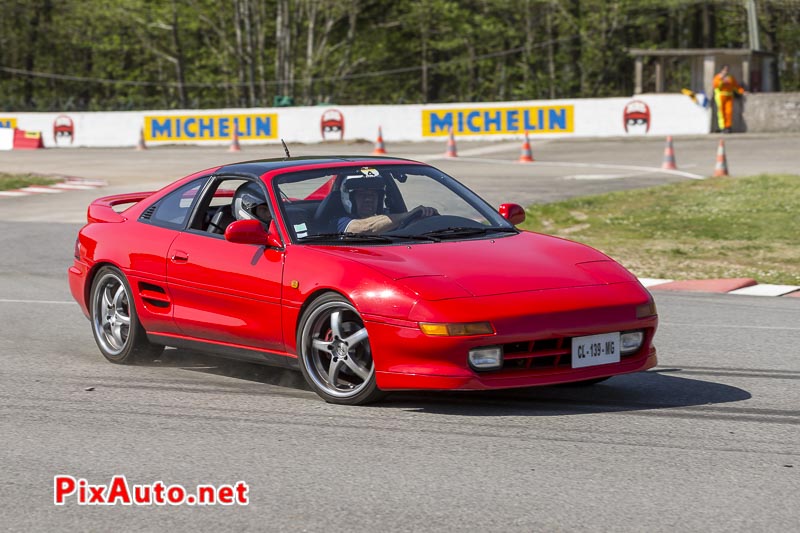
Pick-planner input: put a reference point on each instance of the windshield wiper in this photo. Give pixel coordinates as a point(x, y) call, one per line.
point(467, 231)
point(347, 237)
point(423, 237)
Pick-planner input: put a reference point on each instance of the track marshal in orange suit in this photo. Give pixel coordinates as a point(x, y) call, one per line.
point(725, 86)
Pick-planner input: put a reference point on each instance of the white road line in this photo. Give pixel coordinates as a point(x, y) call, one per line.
point(90, 183)
point(60, 302)
point(726, 326)
point(649, 170)
point(47, 190)
point(76, 186)
point(13, 193)
point(623, 167)
point(595, 177)
point(491, 149)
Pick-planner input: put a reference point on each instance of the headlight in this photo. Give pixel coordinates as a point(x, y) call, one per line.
point(630, 341)
point(456, 330)
point(486, 358)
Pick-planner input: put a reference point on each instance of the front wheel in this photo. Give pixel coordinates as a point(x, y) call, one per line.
point(334, 352)
point(115, 326)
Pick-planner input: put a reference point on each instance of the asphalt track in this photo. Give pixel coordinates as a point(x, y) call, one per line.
point(709, 440)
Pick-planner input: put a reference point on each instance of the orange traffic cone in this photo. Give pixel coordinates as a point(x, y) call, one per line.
point(451, 144)
point(141, 145)
point(379, 148)
point(526, 156)
point(669, 156)
point(235, 140)
point(721, 169)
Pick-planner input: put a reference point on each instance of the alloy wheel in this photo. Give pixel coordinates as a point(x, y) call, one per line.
point(336, 350)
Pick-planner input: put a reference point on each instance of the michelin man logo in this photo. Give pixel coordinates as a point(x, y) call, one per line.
point(332, 125)
point(63, 130)
point(636, 117)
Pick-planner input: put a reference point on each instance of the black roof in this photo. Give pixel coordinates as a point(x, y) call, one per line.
point(261, 166)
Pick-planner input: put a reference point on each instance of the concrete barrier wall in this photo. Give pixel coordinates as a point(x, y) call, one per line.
point(651, 114)
point(771, 112)
point(6, 138)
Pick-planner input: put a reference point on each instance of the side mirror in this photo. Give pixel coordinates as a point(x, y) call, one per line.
point(514, 213)
point(252, 232)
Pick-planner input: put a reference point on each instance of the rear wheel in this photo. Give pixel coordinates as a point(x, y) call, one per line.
point(335, 354)
point(115, 326)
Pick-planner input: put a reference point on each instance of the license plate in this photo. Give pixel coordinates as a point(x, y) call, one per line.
point(594, 350)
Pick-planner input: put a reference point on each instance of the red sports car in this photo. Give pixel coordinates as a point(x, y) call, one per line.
point(369, 274)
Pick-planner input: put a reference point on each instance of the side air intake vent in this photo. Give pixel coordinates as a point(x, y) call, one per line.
point(148, 213)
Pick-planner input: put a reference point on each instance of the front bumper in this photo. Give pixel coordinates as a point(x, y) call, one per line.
point(470, 380)
point(537, 327)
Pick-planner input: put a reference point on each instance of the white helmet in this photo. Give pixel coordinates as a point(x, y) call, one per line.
point(361, 182)
point(245, 199)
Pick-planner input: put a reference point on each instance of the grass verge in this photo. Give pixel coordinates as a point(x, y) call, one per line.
point(17, 181)
point(716, 228)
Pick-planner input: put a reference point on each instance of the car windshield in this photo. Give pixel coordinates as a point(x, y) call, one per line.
point(383, 204)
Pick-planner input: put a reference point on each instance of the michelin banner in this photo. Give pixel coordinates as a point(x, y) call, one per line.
point(498, 120)
point(194, 128)
point(652, 114)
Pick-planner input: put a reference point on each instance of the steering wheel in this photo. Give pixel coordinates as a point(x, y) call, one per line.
point(408, 220)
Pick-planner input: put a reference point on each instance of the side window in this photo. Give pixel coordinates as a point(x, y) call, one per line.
point(223, 195)
point(172, 210)
point(216, 211)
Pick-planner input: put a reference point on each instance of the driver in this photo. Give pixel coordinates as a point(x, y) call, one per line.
point(249, 203)
point(362, 198)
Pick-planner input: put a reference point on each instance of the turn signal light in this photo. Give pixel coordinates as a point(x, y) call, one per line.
point(646, 310)
point(456, 330)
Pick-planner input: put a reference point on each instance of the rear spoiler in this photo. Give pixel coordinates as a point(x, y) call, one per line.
point(102, 209)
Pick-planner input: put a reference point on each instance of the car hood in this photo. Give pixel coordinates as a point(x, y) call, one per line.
point(484, 267)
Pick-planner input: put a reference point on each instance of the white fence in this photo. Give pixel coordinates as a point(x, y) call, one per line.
point(656, 114)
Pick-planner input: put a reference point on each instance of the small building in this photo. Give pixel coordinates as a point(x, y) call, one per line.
point(754, 69)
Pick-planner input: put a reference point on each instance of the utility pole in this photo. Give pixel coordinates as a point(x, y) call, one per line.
point(752, 24)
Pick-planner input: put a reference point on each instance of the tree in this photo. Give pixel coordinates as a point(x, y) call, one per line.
point(145, 54)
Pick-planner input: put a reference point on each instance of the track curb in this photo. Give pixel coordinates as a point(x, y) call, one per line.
point(736, 286)
point(68, 184)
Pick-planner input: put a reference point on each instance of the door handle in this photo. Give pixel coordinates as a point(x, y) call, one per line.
point(179, 256)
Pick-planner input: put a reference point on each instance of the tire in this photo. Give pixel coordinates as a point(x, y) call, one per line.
point(115, 326)
point(334, 352)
